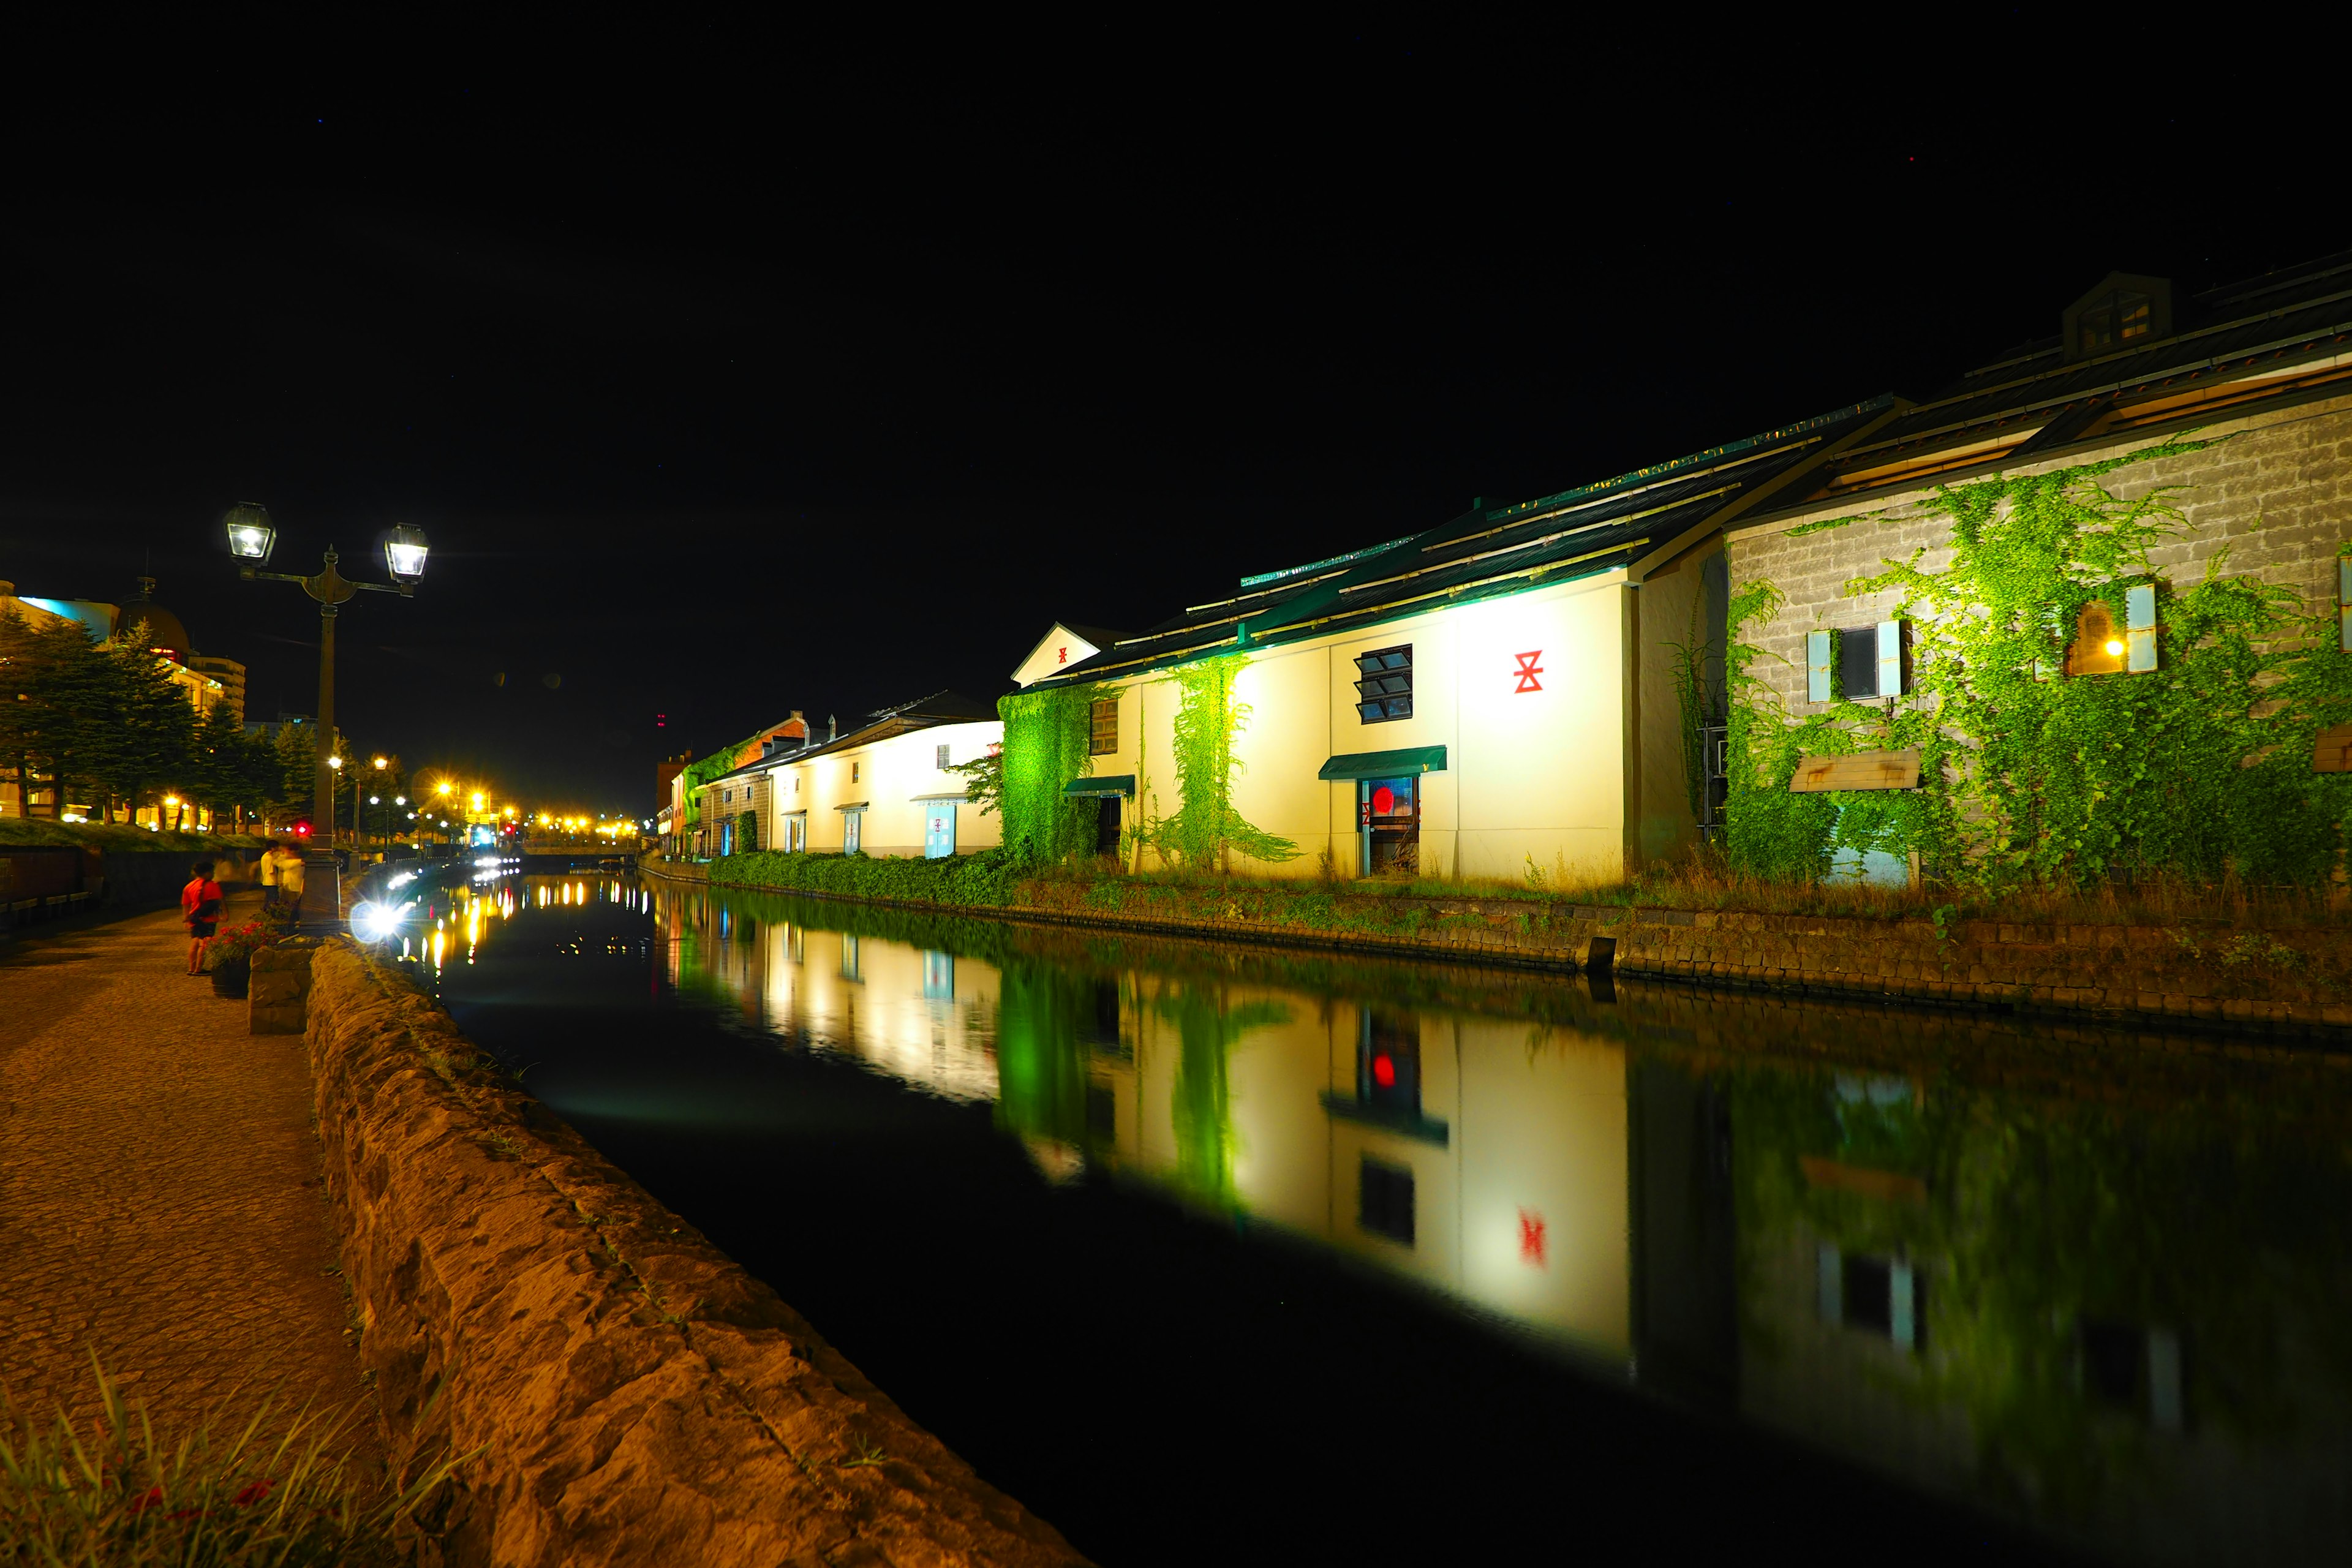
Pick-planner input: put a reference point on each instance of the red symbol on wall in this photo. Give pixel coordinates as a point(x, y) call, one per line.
point(1527, 671)
point(1531, 1237)
point(1062, 655)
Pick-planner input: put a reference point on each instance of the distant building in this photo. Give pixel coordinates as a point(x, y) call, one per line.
point(205, 683)
point(886, 790)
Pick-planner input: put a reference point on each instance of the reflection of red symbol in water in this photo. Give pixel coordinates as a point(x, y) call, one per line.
point(1531, 1237)
point(1527, 671)
point(1384, 1071)
point(1384, 800)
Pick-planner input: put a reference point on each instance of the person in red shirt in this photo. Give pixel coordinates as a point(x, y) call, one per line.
point(200, 910)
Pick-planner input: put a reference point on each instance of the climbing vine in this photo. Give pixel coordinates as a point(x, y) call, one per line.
point(2199, 767)
point(1205, 830)
point(1689, 673)
point(1045, 735)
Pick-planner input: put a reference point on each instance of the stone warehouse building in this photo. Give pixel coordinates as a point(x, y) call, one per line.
point(2243, 398)
point(1495, 692)
point(1517, 687)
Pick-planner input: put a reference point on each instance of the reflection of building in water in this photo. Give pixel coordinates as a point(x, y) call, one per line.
point(2119, 1319)
point(924, 1015)
point(1453, 1150)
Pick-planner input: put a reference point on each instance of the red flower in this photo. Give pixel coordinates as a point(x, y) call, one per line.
point(147, 1500)
point(252, 1494)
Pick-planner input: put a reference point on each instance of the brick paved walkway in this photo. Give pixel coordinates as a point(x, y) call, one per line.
point(159, 1185)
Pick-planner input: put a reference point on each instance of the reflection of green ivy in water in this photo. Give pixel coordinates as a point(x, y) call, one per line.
point(2041, 1213)
point(1207, 1030)
point(2199, 767)
point(1041, 1053)
point(1045, 746)
point(1205, 830)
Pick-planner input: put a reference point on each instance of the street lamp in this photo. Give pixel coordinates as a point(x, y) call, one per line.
point(251, 537)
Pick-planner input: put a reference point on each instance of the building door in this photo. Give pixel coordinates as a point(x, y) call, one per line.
point(1387, 814)
point(1107, 827)
point(939, 829)
point(795, 834)
point(852, 832)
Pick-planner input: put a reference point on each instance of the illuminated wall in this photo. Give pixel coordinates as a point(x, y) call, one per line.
point(1533, 698)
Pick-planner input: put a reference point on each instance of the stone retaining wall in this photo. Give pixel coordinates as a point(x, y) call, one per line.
point(2294, 981)
point(638, 1398)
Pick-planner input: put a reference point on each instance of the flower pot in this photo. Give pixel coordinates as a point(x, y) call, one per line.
point(231, 976)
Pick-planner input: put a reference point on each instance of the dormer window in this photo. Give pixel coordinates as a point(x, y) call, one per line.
point(2113, 322)
point(2125, 311)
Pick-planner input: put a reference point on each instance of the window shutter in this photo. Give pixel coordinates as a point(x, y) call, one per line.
point(1902, 1305)
point(1821, 647)
point(1890, 658)
point(2343, 600)
point(2140, 614)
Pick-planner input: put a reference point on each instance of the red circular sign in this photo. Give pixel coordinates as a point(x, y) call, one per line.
point(1384, 800)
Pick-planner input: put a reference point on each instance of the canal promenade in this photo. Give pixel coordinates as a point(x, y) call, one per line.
point(160, 1189)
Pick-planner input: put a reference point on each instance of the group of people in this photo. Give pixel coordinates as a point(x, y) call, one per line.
point(280, 872)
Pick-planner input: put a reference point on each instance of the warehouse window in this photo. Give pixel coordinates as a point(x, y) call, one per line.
point(1384, 1200)
point(2101, 647)
point(1859, 663)
point(943, 758)
point(1384, 684)
point(2122, 316)
point(1102, 732)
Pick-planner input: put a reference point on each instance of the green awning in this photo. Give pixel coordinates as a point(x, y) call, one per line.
point(1109, 784)
point(1385, 764)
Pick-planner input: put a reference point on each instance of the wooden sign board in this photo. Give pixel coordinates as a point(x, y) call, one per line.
point(2332, 753)
point(1864, 770)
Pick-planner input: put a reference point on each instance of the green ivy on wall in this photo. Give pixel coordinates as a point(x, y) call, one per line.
point(2199, 767)
point(1045, 746)
point(704, 770)
point(1205, 830)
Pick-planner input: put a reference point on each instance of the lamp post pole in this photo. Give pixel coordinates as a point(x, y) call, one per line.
point(251, 537)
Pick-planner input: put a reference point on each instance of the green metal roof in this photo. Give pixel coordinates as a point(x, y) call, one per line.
point(1385, 764)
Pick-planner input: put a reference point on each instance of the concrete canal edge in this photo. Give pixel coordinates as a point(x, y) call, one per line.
point(636, 1396)
point(2287, 983)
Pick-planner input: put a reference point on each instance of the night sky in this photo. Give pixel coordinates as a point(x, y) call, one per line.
point(783, 374)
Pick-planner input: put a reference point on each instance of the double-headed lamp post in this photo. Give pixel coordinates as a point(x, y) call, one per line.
point(251, 537)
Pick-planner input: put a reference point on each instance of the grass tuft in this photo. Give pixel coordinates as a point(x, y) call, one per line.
point(270, 1488)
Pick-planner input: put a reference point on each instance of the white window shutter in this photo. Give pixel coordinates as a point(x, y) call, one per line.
point(1902, 1305)
point(2139, 616)
point(1890, 658)
point(1821, 649)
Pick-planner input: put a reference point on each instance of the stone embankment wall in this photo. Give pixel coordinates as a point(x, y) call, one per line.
point(636, 1397)
point(2289, 981)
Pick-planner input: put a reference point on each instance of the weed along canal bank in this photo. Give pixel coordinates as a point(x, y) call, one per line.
point(1211, 1251)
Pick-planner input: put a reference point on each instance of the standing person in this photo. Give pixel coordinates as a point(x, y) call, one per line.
point(290, 878)
point(269, 870)
point(200, 909)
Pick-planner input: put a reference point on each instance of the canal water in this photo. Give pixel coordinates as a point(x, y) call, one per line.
point(1207, 1252)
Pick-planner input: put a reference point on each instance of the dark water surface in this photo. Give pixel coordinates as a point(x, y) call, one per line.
point(1209, 1253)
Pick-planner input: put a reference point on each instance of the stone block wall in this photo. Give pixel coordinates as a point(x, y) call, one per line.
point(636, 1398)
point(277, 996)
point(2275, 491)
